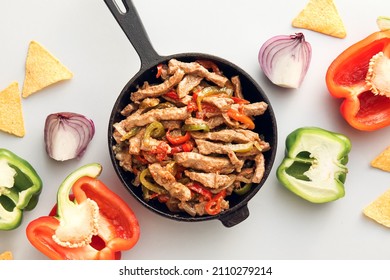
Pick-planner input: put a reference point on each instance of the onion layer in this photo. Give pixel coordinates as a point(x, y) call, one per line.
point(285, 59)
point(67, 135)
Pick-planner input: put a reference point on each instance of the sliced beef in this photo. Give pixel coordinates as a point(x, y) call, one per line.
point(158, 90)
point(197, 69)
point(124, 158)
point(252, 109)
point(211, 180)
point(187, 84)
point(237, 87)
point(253, 136)
point(207, 147)
point(204, 163)
point(130, 108)
point(225, 135)
point(171, 125)
point(164, 178)
point(237, 163)
point(221, 102)
point(245, 175)
point(166, 114)
point(211, 122)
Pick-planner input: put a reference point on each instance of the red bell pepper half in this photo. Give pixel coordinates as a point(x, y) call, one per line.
point(360, 75)
point(97, 224)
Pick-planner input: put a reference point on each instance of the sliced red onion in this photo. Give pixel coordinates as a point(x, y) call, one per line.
point(285, 59)
point(67, 135)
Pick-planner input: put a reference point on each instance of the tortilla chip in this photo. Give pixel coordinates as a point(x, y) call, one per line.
point(42, 70)
point(379, 209)
point(11, 113)
point(321, 16)
point(382, 161)
point(7, 255)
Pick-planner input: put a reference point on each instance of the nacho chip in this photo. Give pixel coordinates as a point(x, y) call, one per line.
point(379, 209)
point(321, 16)
point(11, 113)
point(7, 255)
point(382, 161)
point(42, 70)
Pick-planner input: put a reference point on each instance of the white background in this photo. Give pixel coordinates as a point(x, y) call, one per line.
point(87, 39)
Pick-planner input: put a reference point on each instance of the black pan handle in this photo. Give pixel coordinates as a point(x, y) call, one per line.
point(131, 24)
point(233, 218)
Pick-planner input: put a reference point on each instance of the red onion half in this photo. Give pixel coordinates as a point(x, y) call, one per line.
point(285, 59)
point(67, 135)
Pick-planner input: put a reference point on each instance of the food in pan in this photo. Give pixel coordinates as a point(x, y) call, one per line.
point(189, 138)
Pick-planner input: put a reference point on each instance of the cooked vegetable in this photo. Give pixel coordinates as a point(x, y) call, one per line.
point(177, 140)
point(67, 135)
point(97, 224)
point(314, 167)
point(20, 188)
point(213, 206)
point(235, 115)
point(149, 185)
point(359, 75)
point(285, 59)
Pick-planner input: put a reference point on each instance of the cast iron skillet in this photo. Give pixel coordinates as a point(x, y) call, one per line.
point(132, 26)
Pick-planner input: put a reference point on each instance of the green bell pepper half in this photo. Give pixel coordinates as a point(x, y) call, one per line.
point(20, 187)
point(314, 166)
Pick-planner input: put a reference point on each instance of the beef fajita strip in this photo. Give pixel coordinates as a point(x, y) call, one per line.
point(158, 90)
point(164, 178)
point(204, 163)
point(187, 84)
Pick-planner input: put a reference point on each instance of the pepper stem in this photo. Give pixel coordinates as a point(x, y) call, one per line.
point(378, 74)
point(78, 222)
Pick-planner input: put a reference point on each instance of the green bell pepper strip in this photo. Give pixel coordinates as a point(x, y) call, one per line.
point(155, 130)
point(243, 190)
point(196, 127)
point(314, 166)
point(20, 187)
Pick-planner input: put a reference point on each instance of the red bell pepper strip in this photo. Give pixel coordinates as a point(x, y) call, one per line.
point(359, 76)
point(177, 140)
point(186, 147)
point(238, 100)
point(213, 207)
point(198, 188)
point(208, 64)
point(242, 118)
point(96, 225)
point(159, 70)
